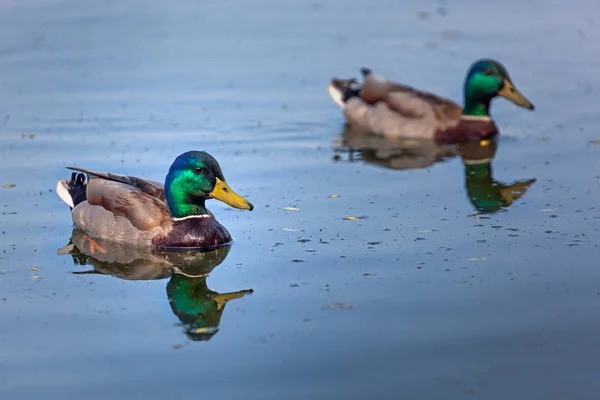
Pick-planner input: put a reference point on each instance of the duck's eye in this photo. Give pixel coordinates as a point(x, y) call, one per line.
point(198, 170)
point(488, 72)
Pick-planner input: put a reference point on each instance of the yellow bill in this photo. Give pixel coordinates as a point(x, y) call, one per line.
point(224, 193)
point(511, 93)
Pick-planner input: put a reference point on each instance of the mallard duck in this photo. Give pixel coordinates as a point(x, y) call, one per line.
point(395, 110)
point(144, 213)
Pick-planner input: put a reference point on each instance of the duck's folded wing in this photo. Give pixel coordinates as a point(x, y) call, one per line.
point(150, 187)
point(143, 210)
point(408, 101)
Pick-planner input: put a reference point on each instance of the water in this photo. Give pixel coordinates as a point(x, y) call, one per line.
point(422, 296)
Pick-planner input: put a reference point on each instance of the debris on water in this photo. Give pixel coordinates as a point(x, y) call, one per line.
point(28, 136)
point(420, 238)
point(477, 259)
point(291, 208)
point(367, 274)
point(543, 139)
point(8, 185)
point(297, 260)
point(423, 15)
point(425, 230)
point(338, 305)
point(289, 229)
point(353, 218)
point(595, 141)
point(419, 267)
point(448, 33)
point(34, 268)
point(333, 196)
point(552, 215)
point(277, 244)
point(294, 285)
point(374, 243)
point(35, 277)
point(177, 346)
point(548, 209)
point(303, 240)
point(336, 157)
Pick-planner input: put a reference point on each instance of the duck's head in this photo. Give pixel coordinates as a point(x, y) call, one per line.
point(485, 80)
point(194, 177)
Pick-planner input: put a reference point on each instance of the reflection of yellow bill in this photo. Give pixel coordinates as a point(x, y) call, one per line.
point(511, 93)
point(224, 193)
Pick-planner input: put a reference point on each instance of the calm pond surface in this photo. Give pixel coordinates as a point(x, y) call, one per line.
point(461, 277)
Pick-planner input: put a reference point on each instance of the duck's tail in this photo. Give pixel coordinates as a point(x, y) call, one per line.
point(72, 192)
point(341, 90)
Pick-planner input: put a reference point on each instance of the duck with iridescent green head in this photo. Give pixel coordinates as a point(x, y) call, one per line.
point(144, 213)
point(395, 110)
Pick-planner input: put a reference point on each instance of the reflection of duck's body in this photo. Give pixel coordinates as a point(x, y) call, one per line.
point(394, 153)
point(485, 193)
point(143, 213)
point(198, 308)
point(396, 110)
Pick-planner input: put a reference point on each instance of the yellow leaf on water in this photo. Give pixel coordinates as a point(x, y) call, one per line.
point(34, 268)
point(8, 185)
point(350, 218)
point(334, 196)
point(35, 277)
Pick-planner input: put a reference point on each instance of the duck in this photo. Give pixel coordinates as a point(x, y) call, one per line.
point(140, 212)
point(396, 110)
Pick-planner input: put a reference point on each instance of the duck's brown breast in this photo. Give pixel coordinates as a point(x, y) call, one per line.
point(193, 233)
point(468, 130)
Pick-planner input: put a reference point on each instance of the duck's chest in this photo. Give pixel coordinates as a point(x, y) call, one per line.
point(468, 129)
point(198, 233)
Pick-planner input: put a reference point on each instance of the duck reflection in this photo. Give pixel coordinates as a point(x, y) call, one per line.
point(486, 194)
point(197, 307)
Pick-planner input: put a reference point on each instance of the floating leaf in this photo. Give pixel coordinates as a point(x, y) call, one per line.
point(334, 196)
point(290, 229)
point(290, 208)
point(35, 277)
point(34, 268)
point(350, 218)
point(8, 185)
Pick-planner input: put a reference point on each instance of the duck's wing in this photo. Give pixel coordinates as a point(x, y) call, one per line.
point(150, 187)
point(141, 209)
point(406, 100)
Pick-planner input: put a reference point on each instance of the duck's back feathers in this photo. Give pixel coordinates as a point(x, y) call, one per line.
point(150, 187)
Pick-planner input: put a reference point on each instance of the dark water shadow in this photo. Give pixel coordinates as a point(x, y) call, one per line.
point(197, 307)
point(484, 192)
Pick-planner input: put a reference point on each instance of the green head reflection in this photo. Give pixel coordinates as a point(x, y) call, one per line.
point(485, 193)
